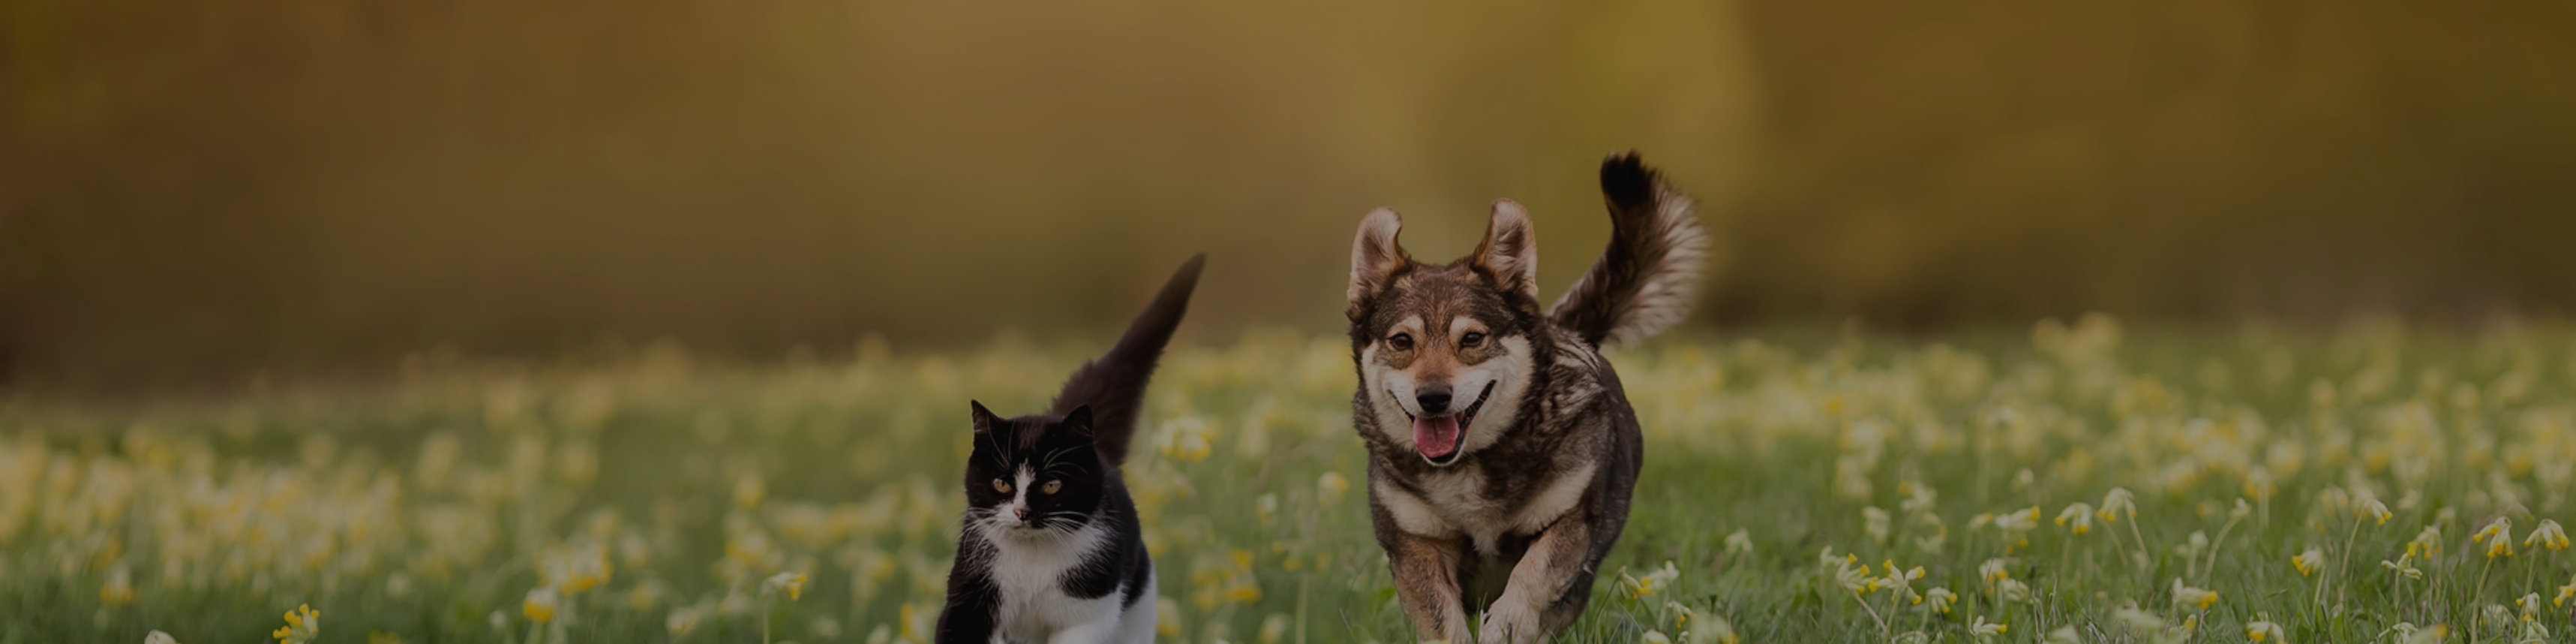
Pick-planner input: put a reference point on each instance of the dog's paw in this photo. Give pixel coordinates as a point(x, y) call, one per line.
point(1509, 622)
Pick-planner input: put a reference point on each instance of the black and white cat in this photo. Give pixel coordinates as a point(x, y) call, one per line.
point(1051, 551)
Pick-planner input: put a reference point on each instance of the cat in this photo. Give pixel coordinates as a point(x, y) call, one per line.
point(1051, 550)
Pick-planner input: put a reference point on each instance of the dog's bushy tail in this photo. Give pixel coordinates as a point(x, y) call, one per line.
point(1114, 383)
point(1648, 279)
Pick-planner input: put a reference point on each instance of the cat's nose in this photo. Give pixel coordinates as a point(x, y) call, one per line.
point(1021, 513)
point(1434, 398)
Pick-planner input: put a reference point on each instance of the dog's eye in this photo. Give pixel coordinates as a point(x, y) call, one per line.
point(1050, 487)
point(1002, 486)
point(1471, 340)
point(1401, 342)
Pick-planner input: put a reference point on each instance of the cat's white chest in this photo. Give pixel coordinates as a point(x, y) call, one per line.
point(1035, 609)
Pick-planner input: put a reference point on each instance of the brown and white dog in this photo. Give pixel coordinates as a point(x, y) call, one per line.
point(1502, 451)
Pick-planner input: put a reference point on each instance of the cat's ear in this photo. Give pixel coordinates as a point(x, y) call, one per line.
point(1375, 257)
point(1509, 254)
point(984, 419)
point(1077, 423)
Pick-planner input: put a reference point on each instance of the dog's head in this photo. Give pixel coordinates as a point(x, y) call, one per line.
point(1445, 352)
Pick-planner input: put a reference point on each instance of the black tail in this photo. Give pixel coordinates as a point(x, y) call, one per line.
point(1114, 384)
point(1649, 277)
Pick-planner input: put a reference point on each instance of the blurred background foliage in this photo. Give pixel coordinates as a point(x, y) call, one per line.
point(196, 190)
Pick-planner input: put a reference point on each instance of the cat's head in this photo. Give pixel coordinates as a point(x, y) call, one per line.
point(1033, 476)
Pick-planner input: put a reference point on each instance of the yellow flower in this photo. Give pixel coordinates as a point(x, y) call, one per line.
point(2500, 528)
point(2262, 631)
point(119, 589)
point(302, 625)
point(1984, 629)
point(2308, 563)
point(540, 604)
point(682, 620)
point(2081, 516)
point(1637, 588)
point(2427, 544)
point(2200, 598)
point(2547, 535)
point(2565, 593)
point(1938, 600)
point(1993, 570)
point(2118, 503)
point(1330, 487)
point(793, 583)
point(2371, 508)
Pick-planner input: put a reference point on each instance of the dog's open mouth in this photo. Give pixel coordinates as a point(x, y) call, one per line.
point(1440, 438)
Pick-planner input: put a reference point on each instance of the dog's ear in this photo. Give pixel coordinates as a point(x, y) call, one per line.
point(1509, 253)
point(1375, 257)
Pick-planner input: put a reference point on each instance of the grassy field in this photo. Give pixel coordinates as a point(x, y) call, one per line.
point(2067, 484)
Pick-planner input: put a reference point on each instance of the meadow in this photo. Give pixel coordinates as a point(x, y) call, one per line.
point(2072, 482)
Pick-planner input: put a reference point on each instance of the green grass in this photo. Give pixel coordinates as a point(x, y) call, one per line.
point(426, 509)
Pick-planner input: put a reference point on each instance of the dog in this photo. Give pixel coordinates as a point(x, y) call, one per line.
point(1502, 451)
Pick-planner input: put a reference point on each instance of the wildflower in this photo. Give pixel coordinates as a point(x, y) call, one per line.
point(793, 583)
point(1642, 587)
point(2081, 514)
point(2012, 590)
point(1273, 629)
point(1187, 439)
point(2411, 634)
point(1739, 542)
point(1655, 637)
point(2547, 535)
point(682, 620)
point(1993, 571)
point(2118, 503)
point(1265, 509)
point(2401, 566)
point(1845, 574)
point(1330, 487)
point(2308, 563)
point(540, 604)
point(119, 589)
point(2200, 598)
point(1714, 629)
point(2427, 543)
point(1984, 629)
point(2063, 635)
point(2371, 508)
point(1901, 581)
point(2263, 631)
point(1875, 522)
point(1938, 600)
point(302, 625)
point(2500, 528)
point(158, 637)
point(381, 637)
point(2565, 592)
point(1919, 497)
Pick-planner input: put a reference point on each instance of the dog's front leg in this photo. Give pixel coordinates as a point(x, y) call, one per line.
point(1531, 607)
point(1426, 578)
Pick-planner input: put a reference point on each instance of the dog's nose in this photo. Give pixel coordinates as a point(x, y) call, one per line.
point(1434, 398)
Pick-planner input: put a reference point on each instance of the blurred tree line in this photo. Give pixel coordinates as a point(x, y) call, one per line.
point(192, 190)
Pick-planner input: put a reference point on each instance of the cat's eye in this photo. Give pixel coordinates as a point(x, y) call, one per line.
point(1002, 486)
point(1400, 342)
point(1471, 340)
point(1050, 487)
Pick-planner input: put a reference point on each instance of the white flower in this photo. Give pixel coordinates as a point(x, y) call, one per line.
point(1984, 629)
point(2547, 535)
point(2063, 635)
point(158, 637)
point(1739, 542)
point(2265, 632)
point(2197, 598)
point(2077, 518)
point(2118, 503)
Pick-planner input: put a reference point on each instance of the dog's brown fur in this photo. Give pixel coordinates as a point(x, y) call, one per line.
point(1518, 516)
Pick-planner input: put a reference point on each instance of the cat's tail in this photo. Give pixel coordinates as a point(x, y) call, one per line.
point(1648, 279)
point(1114, 384)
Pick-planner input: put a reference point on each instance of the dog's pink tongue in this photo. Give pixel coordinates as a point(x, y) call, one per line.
point(1436, 437)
